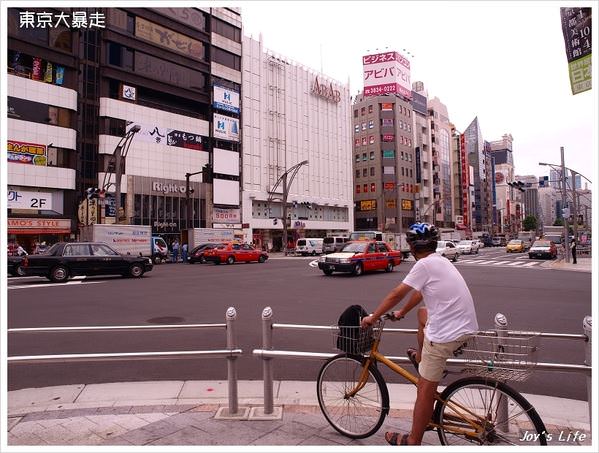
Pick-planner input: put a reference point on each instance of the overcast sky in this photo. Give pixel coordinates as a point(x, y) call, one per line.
point(504, 62)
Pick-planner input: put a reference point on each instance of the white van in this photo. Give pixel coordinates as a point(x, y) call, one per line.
point(334, 244)
point(309, 246)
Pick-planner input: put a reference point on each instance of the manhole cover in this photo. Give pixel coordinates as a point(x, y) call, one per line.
point(166, 320)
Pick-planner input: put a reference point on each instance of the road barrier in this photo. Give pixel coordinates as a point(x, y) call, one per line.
point(230, 353)
point(267, 353)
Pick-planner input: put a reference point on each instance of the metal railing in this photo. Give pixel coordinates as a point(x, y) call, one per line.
point(267, 353)
point(230, 353)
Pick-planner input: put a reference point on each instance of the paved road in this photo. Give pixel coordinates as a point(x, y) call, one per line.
point(533, 298)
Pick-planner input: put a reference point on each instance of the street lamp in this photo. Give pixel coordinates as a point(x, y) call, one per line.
point(285, 180)
point(116, 163)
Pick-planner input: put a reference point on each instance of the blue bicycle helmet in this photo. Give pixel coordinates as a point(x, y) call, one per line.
point(422, 234)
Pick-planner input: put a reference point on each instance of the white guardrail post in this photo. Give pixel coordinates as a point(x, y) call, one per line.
point(267, 361)
point(501, 326)
point(231, 316)
point(587, 327)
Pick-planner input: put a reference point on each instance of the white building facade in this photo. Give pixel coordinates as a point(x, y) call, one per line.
point(292, 114)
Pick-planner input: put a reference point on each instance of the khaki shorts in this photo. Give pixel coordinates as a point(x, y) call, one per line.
point(434, 356)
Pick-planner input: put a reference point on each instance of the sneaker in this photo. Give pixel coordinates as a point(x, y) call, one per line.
point(411, 352)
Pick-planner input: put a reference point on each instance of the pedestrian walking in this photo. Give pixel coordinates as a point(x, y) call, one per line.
point(184, 252)
point(573, 250)
point(21, 251)
point(175, 257)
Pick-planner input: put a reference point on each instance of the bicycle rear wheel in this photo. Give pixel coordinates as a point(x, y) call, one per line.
point(358, 416)
point(503, 416)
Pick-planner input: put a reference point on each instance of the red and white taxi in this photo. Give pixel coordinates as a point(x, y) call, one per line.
point(361, 256)
point(231, 252)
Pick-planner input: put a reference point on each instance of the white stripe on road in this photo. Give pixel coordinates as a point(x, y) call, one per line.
point(313, 263)
point(503, 263)
point(514, 263)
point(487, 262)
point(45, 285)
point(468, 261)
point(530, 264)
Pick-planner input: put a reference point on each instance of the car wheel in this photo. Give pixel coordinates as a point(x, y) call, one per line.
point(136, 270)
point(261, 258)
point(230, 260)
point(389, 267)
point(20, 272)
point(357, 269)
point(327, 272)
point(59, 274)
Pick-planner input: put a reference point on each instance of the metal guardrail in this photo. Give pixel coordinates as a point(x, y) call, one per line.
point(267, 353)
point(230, 353)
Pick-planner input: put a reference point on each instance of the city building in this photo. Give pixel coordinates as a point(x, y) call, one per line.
point(423, 155)
point(508, 209)
point(463, 180)
point(385, 170)
point(530, 197)
point(555, 179)
point(129, 101)
point(480, 160)
point(296, 150)
point(549, 205)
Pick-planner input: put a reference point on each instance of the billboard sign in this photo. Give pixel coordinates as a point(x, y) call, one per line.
point(386, 73)
point(225, 99)
point(171, 137)
point(26, 153)
point(576, 27)
point(225, 128)
point(419, 103)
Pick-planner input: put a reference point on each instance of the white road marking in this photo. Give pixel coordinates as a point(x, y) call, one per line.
point(514, 263)
point(45, 285)
point(313, 263)
point(530, 264)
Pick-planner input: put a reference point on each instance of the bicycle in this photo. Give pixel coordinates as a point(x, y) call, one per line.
point(480, 410)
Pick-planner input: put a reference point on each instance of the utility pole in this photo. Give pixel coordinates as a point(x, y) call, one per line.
point(120, 153)
point(206, 173)
point(564, 218)
point(574, 205)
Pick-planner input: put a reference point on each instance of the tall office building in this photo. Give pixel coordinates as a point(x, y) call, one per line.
point(86, 87)
point(292, 114)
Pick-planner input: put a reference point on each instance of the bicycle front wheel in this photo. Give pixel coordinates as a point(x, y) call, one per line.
point(481, 411)
point(357, 416)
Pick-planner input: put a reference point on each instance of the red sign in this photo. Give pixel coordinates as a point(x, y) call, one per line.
point(37, 226)
point(388, 137)
point(465, 180)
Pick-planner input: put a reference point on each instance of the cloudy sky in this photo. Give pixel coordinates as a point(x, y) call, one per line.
point(504, 62)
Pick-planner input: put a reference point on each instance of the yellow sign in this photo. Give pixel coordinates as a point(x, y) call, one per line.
point(407, 205)
point(168, 38)
point(391, 204)
point(367, 205)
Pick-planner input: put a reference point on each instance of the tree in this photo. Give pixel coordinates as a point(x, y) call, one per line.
point(529, 223)
point(558, 222)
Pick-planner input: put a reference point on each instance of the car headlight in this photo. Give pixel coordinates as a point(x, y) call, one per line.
point(345, 260)
point(149, 261)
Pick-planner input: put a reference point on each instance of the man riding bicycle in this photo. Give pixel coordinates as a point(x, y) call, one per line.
point(448, 321)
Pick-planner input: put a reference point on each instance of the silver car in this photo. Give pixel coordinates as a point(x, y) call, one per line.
point(468, 246)
point(448, 250)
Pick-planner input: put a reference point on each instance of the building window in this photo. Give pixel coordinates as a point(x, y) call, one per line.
point(364, 157)
point(357, 158)
point(371, 124)
point(370, 108)
point(357, 173)
point(402, 172)
point(371, 155)
point(365, 188)
point(227, 30)
point(402, 156)
point(363, 111)
point(357, 142)
point(364, 141)
point(371, 171)
point(355, 113)
point(364, 172)
point(372, 187)
point(410, 173)
point(227, 59)
point(358, 188)
point(371, 139)
point(363, 126)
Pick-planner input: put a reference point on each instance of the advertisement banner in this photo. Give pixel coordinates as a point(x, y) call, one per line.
point(386, 73)
point(170, 137)
point(225, 99)
point(367, 205)
point(24, 199)
point(419, 103)
point(389, 186)
point(222, 215)
point(38, 226)
point(576, 28)
point(168, 38)
point(388, 137)
point(387, 106)
point(26, 153)
point(407, 205)
point(226, 128)
point(418, 168)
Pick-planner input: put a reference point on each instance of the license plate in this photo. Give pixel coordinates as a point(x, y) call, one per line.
point(330, 267)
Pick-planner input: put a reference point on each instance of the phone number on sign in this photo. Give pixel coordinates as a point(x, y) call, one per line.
point(380, 89)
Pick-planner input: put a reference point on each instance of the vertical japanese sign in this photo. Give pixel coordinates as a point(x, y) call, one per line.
point(465, 180)
point(576, 27)
point(386, 73)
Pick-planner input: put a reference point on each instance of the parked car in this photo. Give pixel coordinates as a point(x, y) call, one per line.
point(496, 241)
point(332, 244)
point(448, 249)
point(232, 252)
point(468, 246)
point(197, 253)
point(543, 249)
point(360, 256)
point(67, 259)
point(515, 245)
point(15, 268)
point(309, 246)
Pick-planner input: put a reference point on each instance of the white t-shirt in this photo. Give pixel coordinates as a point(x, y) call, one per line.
point(447, 298)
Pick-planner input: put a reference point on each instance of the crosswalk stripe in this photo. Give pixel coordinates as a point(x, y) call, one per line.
point(515, 263)
point(503, 263)
point(468, 261)
point(530, 264)
point(486, 262)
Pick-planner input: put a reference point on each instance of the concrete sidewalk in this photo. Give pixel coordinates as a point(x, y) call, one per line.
point(582, 265)
point(195, 413)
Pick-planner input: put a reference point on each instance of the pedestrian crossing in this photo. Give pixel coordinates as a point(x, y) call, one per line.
point(501, 263)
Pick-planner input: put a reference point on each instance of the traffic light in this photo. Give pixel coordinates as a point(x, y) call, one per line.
point(207, 174)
